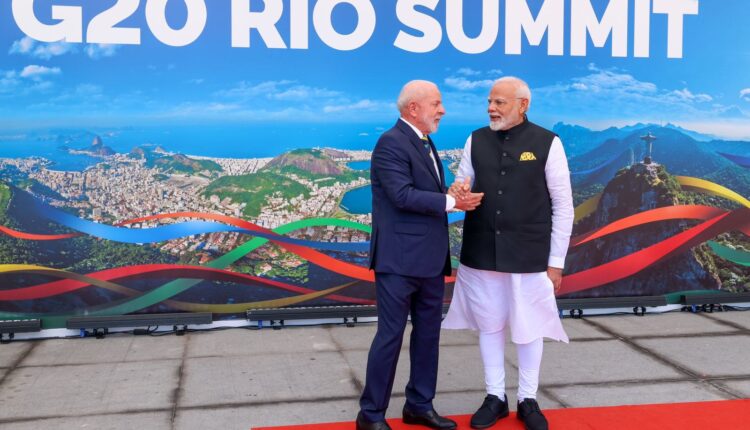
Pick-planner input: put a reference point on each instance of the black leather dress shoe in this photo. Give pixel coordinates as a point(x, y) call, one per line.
point(366, 425)
point(429, 419)
point(531, 415)
point(492, 409)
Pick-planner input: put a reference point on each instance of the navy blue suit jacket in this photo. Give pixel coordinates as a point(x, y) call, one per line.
point(409, 223)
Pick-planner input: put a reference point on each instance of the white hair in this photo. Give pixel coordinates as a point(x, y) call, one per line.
point(522, 88)
point(413, 90)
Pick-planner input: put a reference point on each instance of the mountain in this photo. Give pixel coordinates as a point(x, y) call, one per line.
point(636, 189)
point(138, 152)
point(694, 134)
point(180, 163)
point(736, 147)
point(308, 160)
point(680, 153)
point(177, 163)
point(98, 148)
point(579, 140)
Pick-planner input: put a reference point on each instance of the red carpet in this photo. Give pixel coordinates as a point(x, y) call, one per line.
point(725, 415)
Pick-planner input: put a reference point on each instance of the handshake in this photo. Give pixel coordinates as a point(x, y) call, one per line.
point(465, 199)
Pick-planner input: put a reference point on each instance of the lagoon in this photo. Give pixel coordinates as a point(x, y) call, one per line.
point(359, 200)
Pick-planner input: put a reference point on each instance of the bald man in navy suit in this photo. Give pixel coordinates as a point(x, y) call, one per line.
point(410, 255)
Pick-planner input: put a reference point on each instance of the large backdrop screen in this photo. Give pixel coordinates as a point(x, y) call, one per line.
point(213, 155)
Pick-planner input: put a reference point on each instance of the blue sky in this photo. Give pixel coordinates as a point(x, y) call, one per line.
point(89, 85)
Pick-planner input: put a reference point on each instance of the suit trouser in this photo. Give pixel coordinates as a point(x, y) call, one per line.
point(397, 297)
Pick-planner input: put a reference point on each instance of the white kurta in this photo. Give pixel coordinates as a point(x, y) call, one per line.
point(489, 301)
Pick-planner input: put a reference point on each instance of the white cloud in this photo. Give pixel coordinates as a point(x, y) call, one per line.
point(463, 84)
point(196, 81)
point(366, 105)
point(731, 112)
point(745, 94)
point(283, 90)
point(45, 51)
point(611, 81)
point(614, 96)
point(302, 92)
point(22, 46)
point(465, 71)
point(245, 90)
point(686, 95)
point(96, 51)
point(42, 51)
point(37, 72)
point(466, 79)
point(8, 81)
point(29, 80)
point(270, 100)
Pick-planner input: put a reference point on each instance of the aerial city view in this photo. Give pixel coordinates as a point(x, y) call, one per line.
point(154, 178)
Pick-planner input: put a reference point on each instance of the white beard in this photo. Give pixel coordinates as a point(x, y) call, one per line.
point(429, 123)
point(498, 125)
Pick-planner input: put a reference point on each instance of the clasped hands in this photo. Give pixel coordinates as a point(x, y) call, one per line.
point(465, 199)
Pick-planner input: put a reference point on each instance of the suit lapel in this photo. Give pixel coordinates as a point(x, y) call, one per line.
point(439, 163)
point(424, 155)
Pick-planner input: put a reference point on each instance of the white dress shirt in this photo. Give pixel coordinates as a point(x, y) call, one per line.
point(450, 202)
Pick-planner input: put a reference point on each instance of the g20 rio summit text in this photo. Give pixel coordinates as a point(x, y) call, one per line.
point(422, 27)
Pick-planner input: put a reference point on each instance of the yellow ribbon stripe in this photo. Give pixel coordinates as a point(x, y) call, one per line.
point(586, 208)
point(703, 186)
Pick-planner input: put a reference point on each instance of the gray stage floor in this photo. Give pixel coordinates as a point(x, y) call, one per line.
point(241, 378)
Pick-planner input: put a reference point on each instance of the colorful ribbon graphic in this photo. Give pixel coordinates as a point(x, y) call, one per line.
point(715, 221)
point(637, 261)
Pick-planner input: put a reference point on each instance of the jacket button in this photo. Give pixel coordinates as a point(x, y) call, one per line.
point(502, 172)
point(505, 154)
point(499, 212)
point(500, 192)
point(497, 231)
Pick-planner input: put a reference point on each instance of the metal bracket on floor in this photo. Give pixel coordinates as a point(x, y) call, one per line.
point(99, 333)
point(181, 330)
point(708, 308)
point(351, 323)
point(639, 311)
point(711, 307)
point(576, 313)
point(277, 325)
point(4, 340)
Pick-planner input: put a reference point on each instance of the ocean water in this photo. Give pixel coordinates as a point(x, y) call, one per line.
point(224, 141)
point(359, 200)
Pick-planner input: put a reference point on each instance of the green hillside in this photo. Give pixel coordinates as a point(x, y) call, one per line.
point(253, 189)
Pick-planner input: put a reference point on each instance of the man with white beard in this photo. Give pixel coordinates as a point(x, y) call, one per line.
point(410, 254)
point(514, 247)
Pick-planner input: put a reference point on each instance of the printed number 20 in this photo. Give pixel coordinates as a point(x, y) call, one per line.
point(102, 28)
